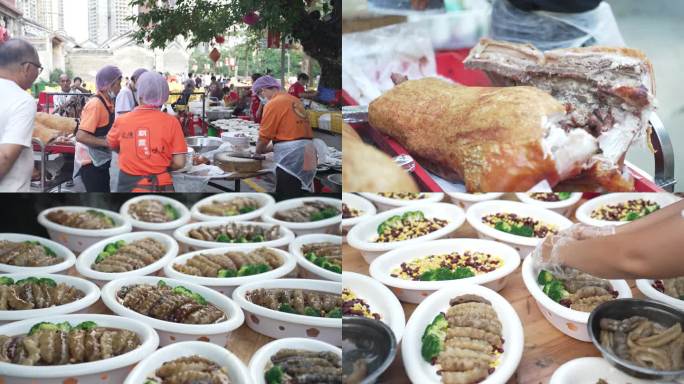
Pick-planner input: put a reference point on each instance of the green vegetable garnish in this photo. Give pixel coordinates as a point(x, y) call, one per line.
point(28, 280)
point(286, 308)
point(48, 282)
point(311, 312)
point(223, 238)
point(335, 313)
point(544, 277)
point(323, 262)
point(563, 195)
point(161, 283)
point(109, 250)
point(433, 338)
point(227, 273)
point(253, 269)
point(151, 381)
point(633, 216)
point(171, 212)
point(519, 230)
point(274, 375)
point(323, 214)
point(440, 274)
point(101, 214)
point(186, 292)
point(392, 222)
point(86, 325)
point(47, 249)
point(4, 280)
point(247, 209)
point(556, 290)
point(413, 216)
point(258, 239)
point(46, 326)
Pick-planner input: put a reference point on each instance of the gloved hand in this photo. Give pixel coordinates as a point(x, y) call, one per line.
point(547, 254)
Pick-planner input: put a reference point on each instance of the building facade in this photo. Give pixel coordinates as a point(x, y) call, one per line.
point(107, 19)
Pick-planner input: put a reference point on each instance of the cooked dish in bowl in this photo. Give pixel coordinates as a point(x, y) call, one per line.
point(60, 343)
point(355, 306)
point(90, 219)
point(153, 211)
point(519, 225)
point(626, 211)
point(294, 366)
point(27, 254)
point(120, 256)
point(550, 196)
point(325, 255)
point(672, 287)
point(576, 289)
point(447, 266)
point(298, 301)
point(307, 212)
point(232, 207)
point(174, 304)
point(349, 212)
point(235, 233)
point(35, 293)
point(189, 370)
point(465, 342)
point(231, 264)
point(410, 225)
point(644, 342)
point(402, 195)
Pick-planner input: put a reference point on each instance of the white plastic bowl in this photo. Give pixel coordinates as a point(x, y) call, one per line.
point(645, 286)
point(357, 202)
point(361, 235)
point(330, 225)
point(87, 257)
point(170, 332)
point(524, 245)
point(265, 200)
point(583, 213)
point(563, 207)
point(261, 358)
point(68, 257)
point(78, 239)
point(465, 200)
point(112, 370)
point(226, 285)
point(278, 325)
point(167, 227)
point(380, 300)
point(416, 291)
point(188, 244)
point(237, 371)
point(569, 321)
point(385, 203)
point(90, 290)
point(308, 269)
point(588, 370)
point(420, 371)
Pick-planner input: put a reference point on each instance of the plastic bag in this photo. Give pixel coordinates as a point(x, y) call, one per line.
point(552, 30)
point(298, 158)
point(182, 182)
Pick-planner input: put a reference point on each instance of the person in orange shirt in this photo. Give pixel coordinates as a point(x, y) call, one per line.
point(93, 157)
point(286, 131)
point(150, 142)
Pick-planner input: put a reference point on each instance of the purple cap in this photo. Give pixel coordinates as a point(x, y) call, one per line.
point(265, 82)
point(137, 73)
point(152, 89)
point(106, 76)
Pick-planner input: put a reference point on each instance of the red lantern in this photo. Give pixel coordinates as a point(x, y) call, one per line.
point(215, 55)
point(219, 39)
point(251, 18)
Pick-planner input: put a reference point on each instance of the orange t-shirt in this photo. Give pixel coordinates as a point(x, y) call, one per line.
point(147, 140)
point(285, 119)
point(93, 116)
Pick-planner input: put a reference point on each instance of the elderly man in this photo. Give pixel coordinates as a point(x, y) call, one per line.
point(19, 68)
point(65, 105)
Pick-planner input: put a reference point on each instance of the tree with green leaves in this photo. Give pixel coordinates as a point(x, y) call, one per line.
point(315, 24)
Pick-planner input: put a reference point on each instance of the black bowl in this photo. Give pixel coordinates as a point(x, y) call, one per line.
point(370, 340)
point(622, 309)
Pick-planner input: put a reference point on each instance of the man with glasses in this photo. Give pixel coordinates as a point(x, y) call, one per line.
point(19, 68)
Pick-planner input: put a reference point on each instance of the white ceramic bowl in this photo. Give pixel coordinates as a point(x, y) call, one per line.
point(385, 203)
point(524, 245)
point(188, 244)
point(78, 239)
point(465, 200)
point(380, 300)
point(357, 202)
point(87, 257)
point(170, 332)
point(261, 358)
point(420, 371)
point(278, 325)
point(62, 252)
point(362, 234)
point(237, 371)
point(330, 225)
point(112, 370)
point(167, 227)
point(563, 207)
point(588, 370)
point(645, 286)
point(309, 270)
point(583, 213)
point(226, 285)
point(265, 200)
point(90, 290)
point(569, 321)
point(416, 291)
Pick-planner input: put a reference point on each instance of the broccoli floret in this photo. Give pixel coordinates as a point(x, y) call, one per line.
point(111, 248)
point(392, 222)
point(48, 282)
point(433, 338)
point(101, 256)
point(171, 212)
point(64, 326)
point(429, 275)
point(441, 274)
point(444, 274)
point(438, 327)
point(4, 280)
point(323, 214)
point(311, 257)
point(86, 325)
point(311, 312)
point(151, 381)
point(334, 268)
point(28, 280)
point(182, 291)
point(227, 273)
point(544, 277)
point(247, 209)
point(413, 216)
point(186, 292)
point(632, 216)
point(258, 239)
point(274, 375)
point(46, 326)
point(462, 273)
point(503, 227)
point(286, 308)
point(223, 238)
point(253, 269)
point(563, 195)
point(556, 290)
point(336, 313)
point(161, 283)
point(522, 230)
point(199, 299)
point(652, 208)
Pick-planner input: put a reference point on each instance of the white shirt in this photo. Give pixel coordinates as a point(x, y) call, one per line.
point(63, 99)
point(17, 113)
point(125, 101)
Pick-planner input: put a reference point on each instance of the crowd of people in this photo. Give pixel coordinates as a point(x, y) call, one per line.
point(124, 142)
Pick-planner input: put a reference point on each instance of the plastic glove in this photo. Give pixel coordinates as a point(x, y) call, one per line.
point(547, 254)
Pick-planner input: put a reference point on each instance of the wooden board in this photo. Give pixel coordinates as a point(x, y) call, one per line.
point(546, 348)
